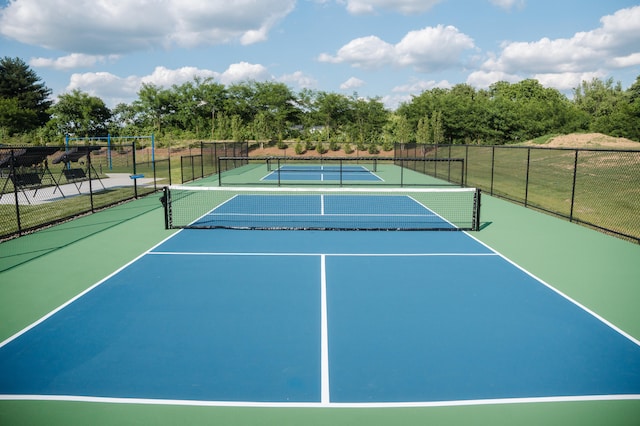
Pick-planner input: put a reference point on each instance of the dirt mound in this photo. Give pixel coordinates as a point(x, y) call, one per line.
point(588, 140)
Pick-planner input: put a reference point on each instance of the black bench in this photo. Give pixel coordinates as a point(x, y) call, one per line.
point(74, 174)
point(26, 179)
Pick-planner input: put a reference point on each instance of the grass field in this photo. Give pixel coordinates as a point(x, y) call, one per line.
point(607, 183)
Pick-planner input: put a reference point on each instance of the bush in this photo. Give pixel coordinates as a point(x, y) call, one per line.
point(387, 146)
point(347, 148)
point(300, 148)
point(320, 148)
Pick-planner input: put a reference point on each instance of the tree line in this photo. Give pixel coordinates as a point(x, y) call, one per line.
point(203, 109)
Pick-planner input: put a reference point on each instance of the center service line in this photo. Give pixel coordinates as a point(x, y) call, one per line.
point(324, 338)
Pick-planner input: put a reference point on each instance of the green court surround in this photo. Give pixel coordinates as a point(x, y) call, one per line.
point(39, 272)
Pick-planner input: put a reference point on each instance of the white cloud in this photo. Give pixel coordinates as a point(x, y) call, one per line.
point(108, 87)
point(433, 48)
point(113, 89)
point(299, 79)
point(166, 77)
point(72, 61)
point(119, 26)
point(365, 52)
point(564, 62)
point(419, 86)
point(567, 81)
point(508, 4)
point(615, 43)
point(484, 79)
point(405, 92)
point(244, 71)
point(352, 83)
point(429, 49)
point(632, 60)
point(407, 7)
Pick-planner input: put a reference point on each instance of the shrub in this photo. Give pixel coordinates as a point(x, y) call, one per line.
point(347, 148)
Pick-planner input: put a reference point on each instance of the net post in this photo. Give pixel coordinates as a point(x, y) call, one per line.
point(219, 171)
point(166, 204)
point(476, 210)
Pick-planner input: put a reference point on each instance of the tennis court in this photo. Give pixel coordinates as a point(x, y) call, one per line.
point(353, 317)
point(320, 319)
point(321, 173)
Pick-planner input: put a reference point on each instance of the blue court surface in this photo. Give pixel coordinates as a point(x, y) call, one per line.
point(326, 211)
point(321, 318)
point(322, 173)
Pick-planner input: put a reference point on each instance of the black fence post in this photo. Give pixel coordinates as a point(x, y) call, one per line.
point(135, 181)
point(13, 178)
point(493, 161)
point(526, 181)
point(573, 186)
point(89, 169)
point(466, 164)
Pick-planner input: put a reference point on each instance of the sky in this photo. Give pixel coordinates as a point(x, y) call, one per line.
point(389, 49)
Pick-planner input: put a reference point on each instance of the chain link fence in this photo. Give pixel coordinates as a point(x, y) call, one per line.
point(40, 186)
point(206, 163)
point(594, 187)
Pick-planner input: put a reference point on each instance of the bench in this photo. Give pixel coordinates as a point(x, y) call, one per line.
point(26, 179)
point(74, 174)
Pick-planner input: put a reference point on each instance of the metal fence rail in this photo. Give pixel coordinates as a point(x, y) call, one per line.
point(40, 186)
point(206, 163)
point(594, 187)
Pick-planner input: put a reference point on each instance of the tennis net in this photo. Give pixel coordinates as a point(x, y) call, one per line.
point(322, 208)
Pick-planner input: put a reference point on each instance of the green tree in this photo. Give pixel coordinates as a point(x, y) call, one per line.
point(424, 136)
point(262, 128)
point(126, 121)
point(369, 119)
point(77, 113)
point(237, 129)
point(332, 110)
point(631, 109)
point(436, 125)
point(279, 106)
point(403, 129)
point(156, 105)
point(603, 101)
point(24, 99)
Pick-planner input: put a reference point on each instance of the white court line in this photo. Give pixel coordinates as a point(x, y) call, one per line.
point(560, 293)
point(325, 400)
point(70, 301)
point(248, 404)
point(180, 253)
point(324, 335)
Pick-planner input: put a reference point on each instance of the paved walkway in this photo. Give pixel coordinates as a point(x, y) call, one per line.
point(48, 194)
